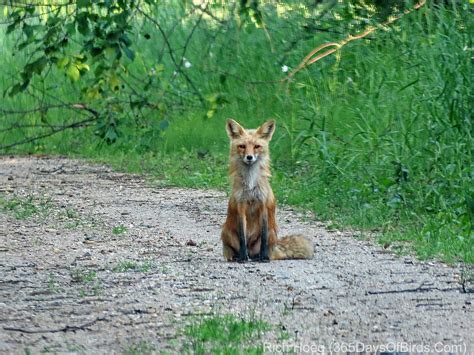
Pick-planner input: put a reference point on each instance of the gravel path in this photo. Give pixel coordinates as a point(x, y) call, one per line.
point(108, 261)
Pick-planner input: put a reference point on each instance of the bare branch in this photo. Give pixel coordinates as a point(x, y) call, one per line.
point(66, 328)
point(310, 59)
point(56, 129)
point(171, 52)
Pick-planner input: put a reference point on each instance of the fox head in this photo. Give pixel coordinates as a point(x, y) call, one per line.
point(249, 145)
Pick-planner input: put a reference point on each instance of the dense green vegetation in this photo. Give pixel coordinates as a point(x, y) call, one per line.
point(377, 137)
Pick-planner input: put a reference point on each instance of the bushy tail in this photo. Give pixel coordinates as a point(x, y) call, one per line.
point(292, 247)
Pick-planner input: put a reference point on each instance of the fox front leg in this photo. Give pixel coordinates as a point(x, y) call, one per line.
point(263, 257)
point(243, 254)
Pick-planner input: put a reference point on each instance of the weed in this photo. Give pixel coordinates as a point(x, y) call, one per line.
point(83, 276)
point(93, 289)
point(73, 220)
point(226, 335)
point(127, 265)
point(25, 207)
point(71, 213)
point(119, 229)
point(73, 225)
point(53, 286)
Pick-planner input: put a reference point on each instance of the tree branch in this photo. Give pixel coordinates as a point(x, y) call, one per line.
point(310, 59)
point(171, 52)
point(57, 129)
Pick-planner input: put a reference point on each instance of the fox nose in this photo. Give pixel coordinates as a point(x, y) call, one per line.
point(249, 157)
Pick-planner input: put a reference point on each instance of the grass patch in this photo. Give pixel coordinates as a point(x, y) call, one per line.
point(119, 230)
point(23, 207)
point(226, 335)
point(130, 265)
point(89, 283)
point(83, 276)
point(53, 285)
point(71, 213)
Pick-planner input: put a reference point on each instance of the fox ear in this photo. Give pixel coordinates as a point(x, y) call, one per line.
point(266, 130)
point(234, 130)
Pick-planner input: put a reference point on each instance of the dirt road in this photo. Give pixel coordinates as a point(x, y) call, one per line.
point(96, 261)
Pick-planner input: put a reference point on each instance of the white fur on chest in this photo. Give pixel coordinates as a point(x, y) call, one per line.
point(251, 176)
point(251, 188)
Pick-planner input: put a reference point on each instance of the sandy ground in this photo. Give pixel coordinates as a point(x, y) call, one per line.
point(109, 261)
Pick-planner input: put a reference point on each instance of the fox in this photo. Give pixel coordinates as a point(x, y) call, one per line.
point(250, 229)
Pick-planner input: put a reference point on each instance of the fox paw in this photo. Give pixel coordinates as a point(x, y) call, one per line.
point(241, 259)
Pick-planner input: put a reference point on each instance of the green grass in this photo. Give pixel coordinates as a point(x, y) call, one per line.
point(130, 265)
point(23, 207)
point(226, 335)
point(83, 276)
point(87, 280)
point(119, 230)
point(378, 138)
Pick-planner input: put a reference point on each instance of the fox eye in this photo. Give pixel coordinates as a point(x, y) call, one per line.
point(257, 146)
point(242, 146)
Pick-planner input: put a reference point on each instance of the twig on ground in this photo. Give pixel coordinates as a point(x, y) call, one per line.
point(66, 328)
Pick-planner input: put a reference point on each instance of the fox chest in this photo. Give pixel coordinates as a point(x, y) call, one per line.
point(251, 196)
point(251, 189)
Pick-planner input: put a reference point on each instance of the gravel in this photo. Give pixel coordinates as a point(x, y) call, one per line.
point(110, 260)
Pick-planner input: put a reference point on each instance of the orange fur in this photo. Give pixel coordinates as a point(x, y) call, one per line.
point(251, 208)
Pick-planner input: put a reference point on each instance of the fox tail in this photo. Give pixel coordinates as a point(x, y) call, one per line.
point(292, 247)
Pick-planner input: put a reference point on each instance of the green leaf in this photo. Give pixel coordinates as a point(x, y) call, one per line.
point(14, 90)
point(11, 27)
point(37, 66)
point(83, 3)
point(17, 88)
point(95, 51)
point(71, 28)
point(62, 62)
point(27, 30)
point(129, 53)
point(73, 73)
point(30, 9)
point(114, 82)
point(126, 40)
point(82, 67)
point(24, 44)
point(93, 93)
point(99, 70)
point(210, 113)
point(110, 53)
point(53, 20)
point(82, 24)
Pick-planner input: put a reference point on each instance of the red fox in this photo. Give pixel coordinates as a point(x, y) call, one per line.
point(250, 229)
